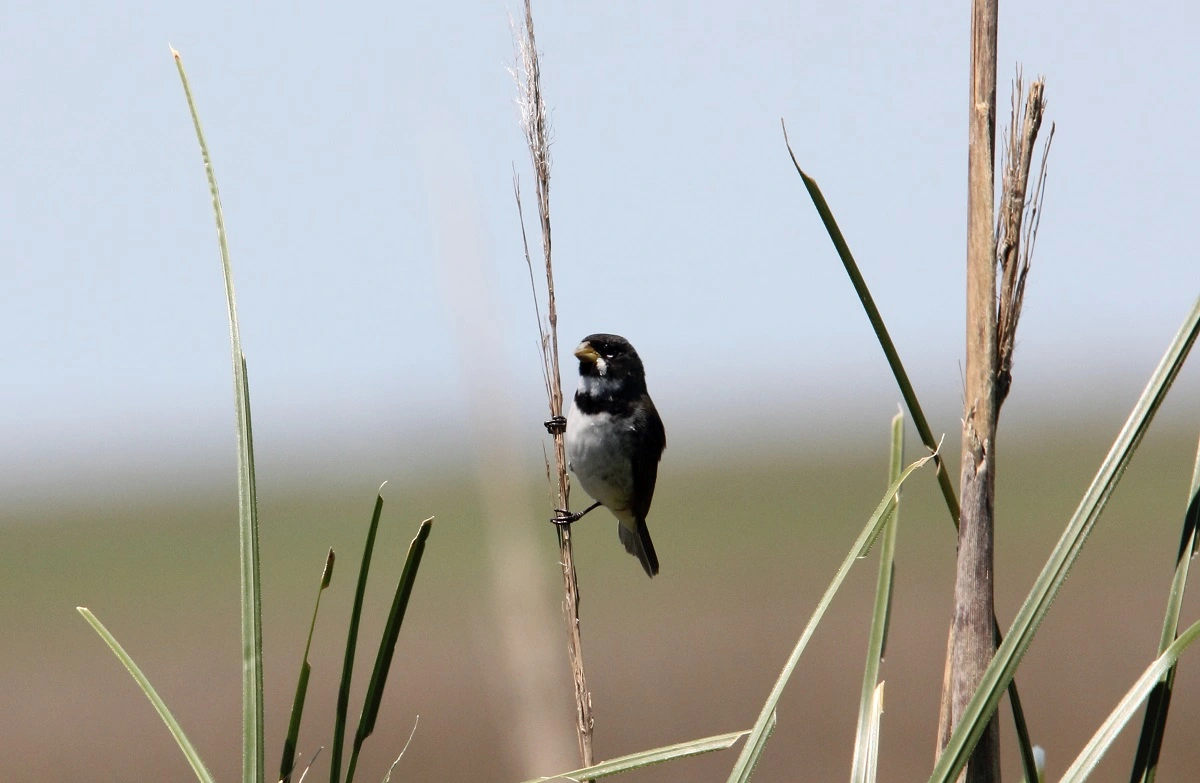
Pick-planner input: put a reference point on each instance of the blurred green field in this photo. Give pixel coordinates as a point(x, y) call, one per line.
point(748, 540)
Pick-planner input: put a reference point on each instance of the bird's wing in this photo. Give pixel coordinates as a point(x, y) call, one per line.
point(650, 439)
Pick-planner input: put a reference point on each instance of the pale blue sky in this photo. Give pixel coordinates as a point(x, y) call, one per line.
point(365, 157)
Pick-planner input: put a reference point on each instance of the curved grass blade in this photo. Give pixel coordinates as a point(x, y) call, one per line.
point(360, 590)
point(172, 725)
point(1091, 754)
point(288, 763)
point(1004, 665)
point(387, 644)
point(881, 332)
point(914, 408)
point(648, 758)
point(748, 759)
point(1145, 762)
point(868, 719)
point(251, 591)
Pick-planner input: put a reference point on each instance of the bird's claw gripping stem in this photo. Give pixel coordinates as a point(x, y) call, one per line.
point(564, 517)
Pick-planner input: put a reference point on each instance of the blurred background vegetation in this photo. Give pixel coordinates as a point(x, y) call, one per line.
point(750, 537)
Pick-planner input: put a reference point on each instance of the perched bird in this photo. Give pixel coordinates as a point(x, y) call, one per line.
point(614, 440)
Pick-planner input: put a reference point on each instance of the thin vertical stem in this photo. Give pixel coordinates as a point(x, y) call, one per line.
point(534, 123)
point(973, 642)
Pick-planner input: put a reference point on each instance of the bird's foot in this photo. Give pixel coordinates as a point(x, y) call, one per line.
point(556, 425)
point(564, 517)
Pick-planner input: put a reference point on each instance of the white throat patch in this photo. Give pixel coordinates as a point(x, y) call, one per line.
point(593, 386)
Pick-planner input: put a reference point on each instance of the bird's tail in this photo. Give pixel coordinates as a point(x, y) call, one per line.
point(638, 543)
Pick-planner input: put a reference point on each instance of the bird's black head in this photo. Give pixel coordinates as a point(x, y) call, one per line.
point(610, 356)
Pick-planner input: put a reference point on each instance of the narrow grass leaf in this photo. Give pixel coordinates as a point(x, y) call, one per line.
point(360, 590)
point(748, 758)
point(881, 331)
point(1029, 765)
point(914, 408)
point(1085, 763)
point(871, 769)
point(1145, 762)
point(288, 763)
point(387, 643)
point(1004, 665)
point(867, 719)
point(647, 758)
point(251, 592)
point(172, 725)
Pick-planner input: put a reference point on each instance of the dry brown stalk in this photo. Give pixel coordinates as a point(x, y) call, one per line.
point(1015, 237)
point(992, 319)
point(973, 643)
point(534, 124)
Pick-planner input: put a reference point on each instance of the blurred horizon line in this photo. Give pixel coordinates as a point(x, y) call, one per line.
point(122, 458)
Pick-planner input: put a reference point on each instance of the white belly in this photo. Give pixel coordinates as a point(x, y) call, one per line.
point(597, 454)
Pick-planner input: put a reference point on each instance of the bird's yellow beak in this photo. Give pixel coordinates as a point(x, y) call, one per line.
point(586, 352)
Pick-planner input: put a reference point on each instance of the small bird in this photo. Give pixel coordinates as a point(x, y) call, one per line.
point(614, 440)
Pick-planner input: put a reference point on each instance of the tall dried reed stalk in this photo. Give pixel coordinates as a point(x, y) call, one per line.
point(534, 125)
point(993, 242)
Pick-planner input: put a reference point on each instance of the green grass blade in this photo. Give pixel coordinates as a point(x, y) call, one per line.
point(877, 641)
point(288, 763)
point(1029, 765)
point(914, 408)
point(1091, 754)
point(748, 759)
point(360, 590)
point(172, 725)
point(1145, 762)
point(881, 332)
point(871, 756)
point(1003, 666)
point(647, 758)
point(758, 743)
point(251, 593)
point(387, 644)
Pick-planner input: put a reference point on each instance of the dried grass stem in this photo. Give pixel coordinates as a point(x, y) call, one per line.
point(1017, 221)
point(537, 138)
